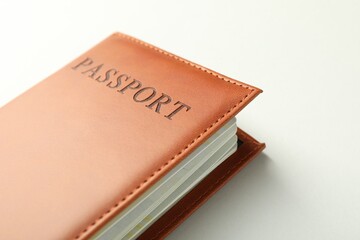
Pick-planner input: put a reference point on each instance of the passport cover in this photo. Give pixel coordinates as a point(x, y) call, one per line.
point(80, 146)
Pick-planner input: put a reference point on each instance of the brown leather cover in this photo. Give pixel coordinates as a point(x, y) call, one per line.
point(83, 144)
point(205, 189)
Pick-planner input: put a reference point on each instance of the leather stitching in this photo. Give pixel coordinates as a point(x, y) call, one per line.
point(181, 60)
point(199, 199)
point(114, 207)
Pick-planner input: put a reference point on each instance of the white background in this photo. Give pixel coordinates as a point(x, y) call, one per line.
point(305, 55)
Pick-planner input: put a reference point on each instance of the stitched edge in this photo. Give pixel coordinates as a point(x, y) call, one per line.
point(199, 199)
point(114, 207)
point(226, 79)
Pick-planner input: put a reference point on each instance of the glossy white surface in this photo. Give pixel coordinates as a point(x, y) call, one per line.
point(305, 55)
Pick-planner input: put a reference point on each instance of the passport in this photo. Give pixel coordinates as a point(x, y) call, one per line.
point(124, 142)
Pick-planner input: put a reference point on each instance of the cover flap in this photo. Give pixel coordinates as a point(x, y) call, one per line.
point(198, 196)
point(80, 146)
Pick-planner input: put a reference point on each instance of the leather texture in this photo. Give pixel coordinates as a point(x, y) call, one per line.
point(205, 189)
point(77, 148)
